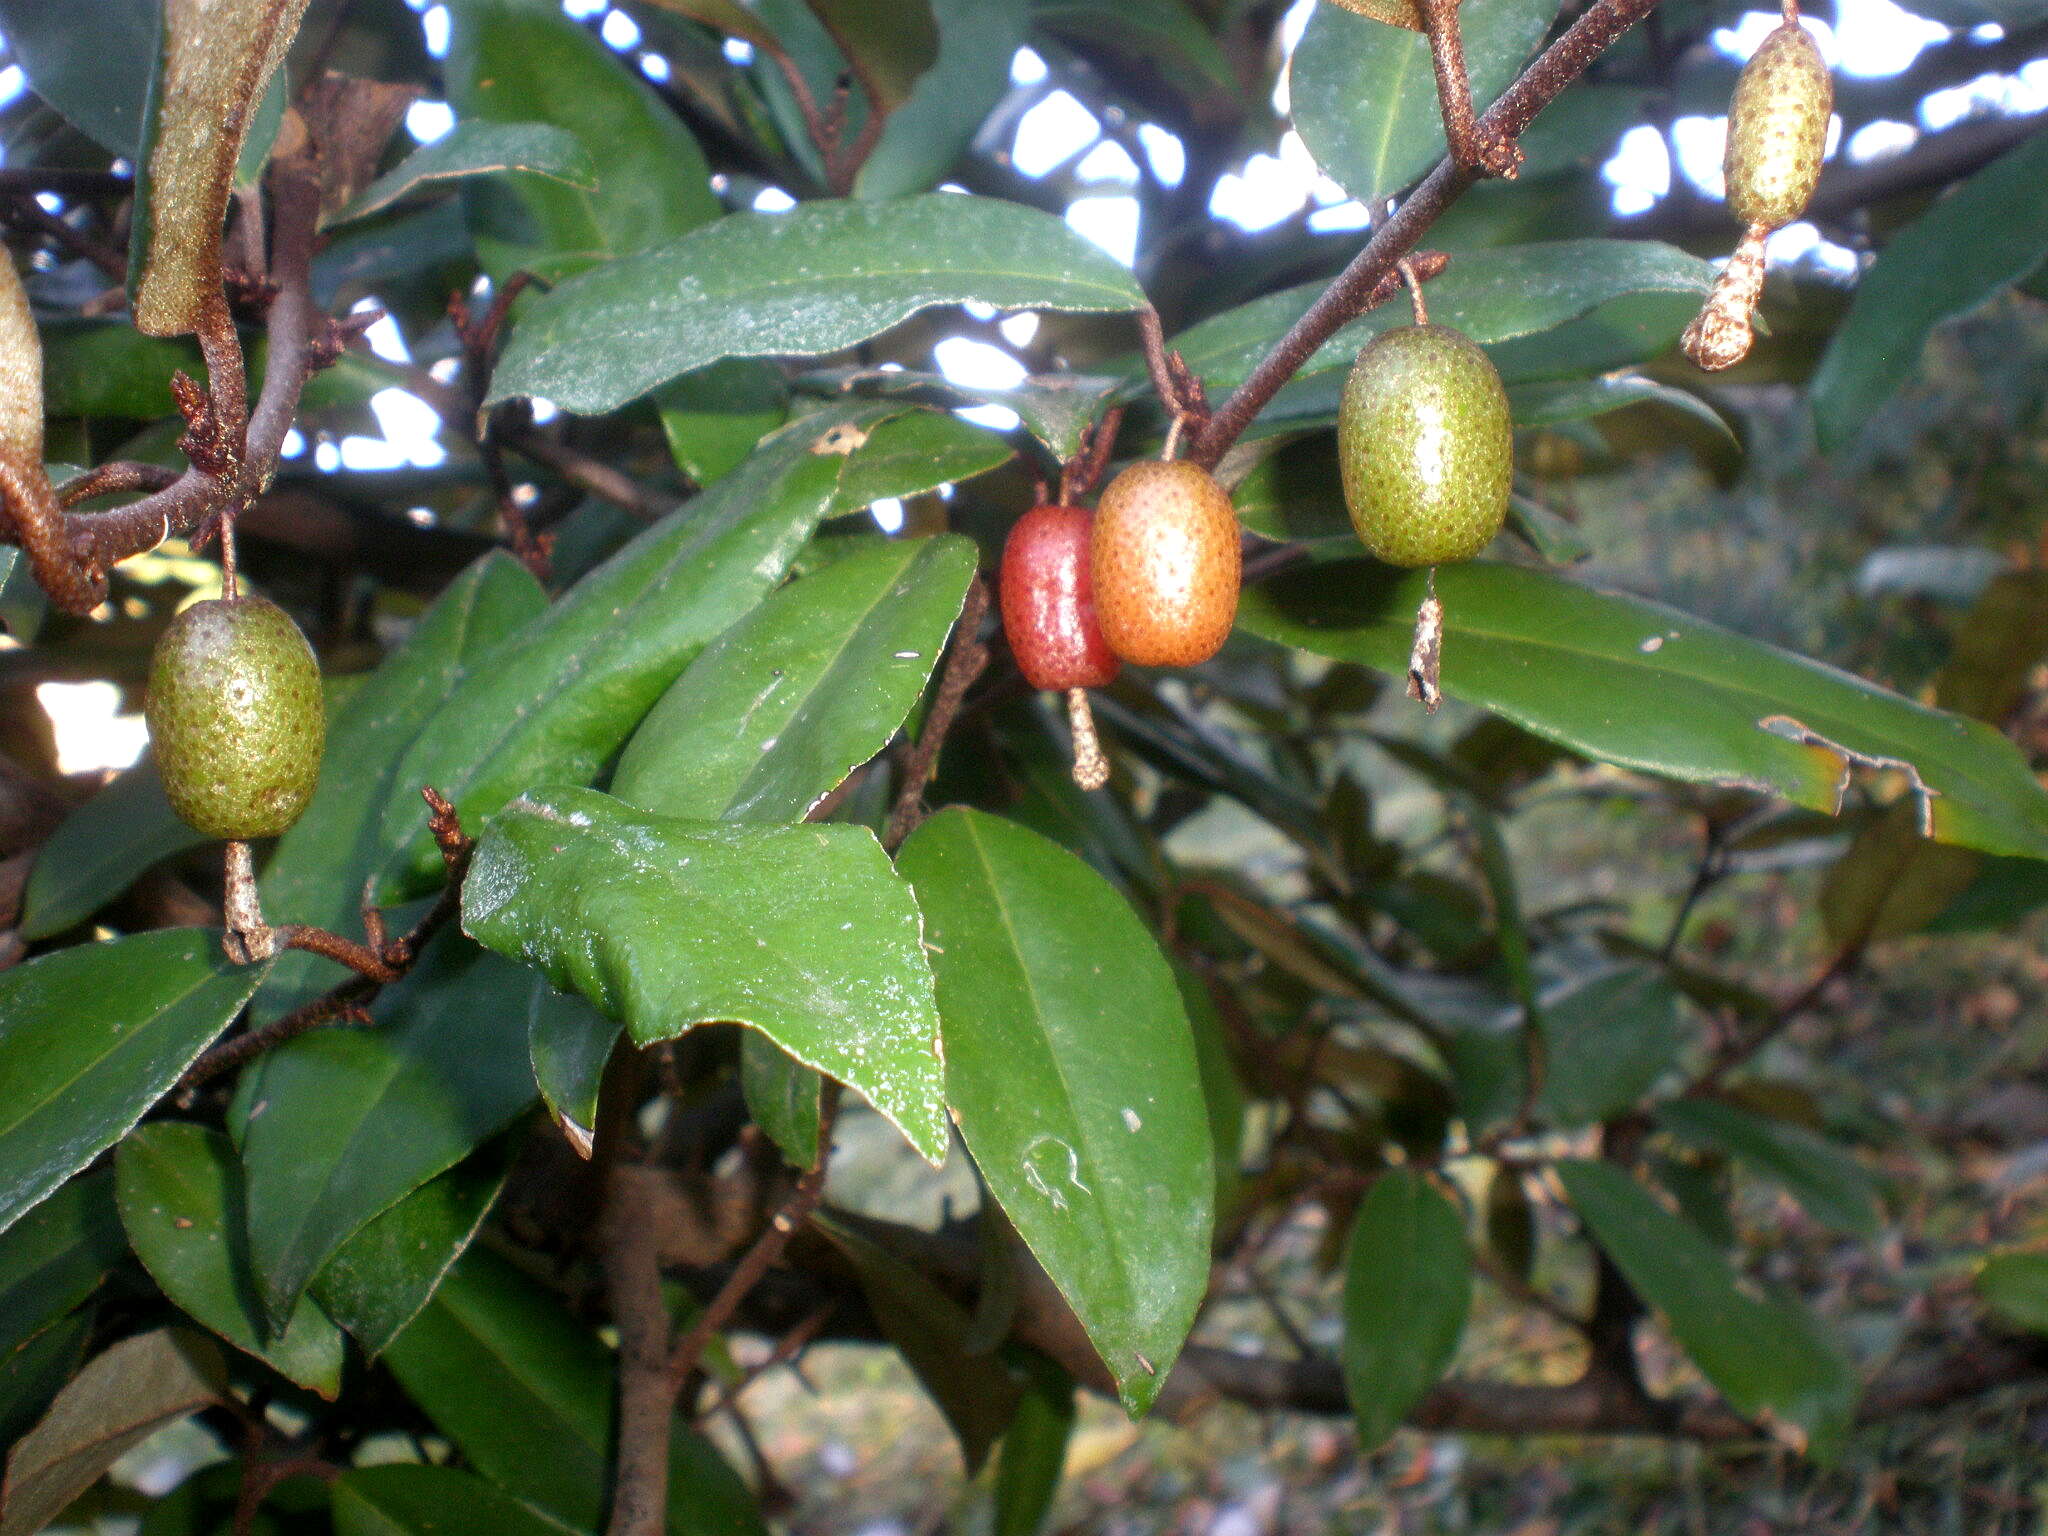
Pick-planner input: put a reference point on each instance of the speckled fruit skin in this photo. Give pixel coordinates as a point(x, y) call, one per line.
point(1166, 563)
point(236, 717)
point(1425, 445)
point(1048, 599)
point(1778, 128)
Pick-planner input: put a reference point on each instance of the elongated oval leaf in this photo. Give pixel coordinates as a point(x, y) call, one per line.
point(804, 933)
point(56, 1256)
point(782, 1096)
point(403, 1500)
point(1607, 1038)
point(1762, 1355)
point(480, 148)
point(1822, 1177)
point(1407, 1287)
point(526, 1392)
point(93, 1035)
point(2015, 1287)
point(816, 279)
point(1645, 686)
point(96, 77)
point(1034, 1453)
point(1071, 1071)
point(182, 1204)
point(100, 850)
point(933, 128)
point(569, 1043)
point(780, 708)
point(1364, 93)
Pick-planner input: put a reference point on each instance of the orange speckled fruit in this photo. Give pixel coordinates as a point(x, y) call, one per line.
point(1778, 128)
point(1166, 563)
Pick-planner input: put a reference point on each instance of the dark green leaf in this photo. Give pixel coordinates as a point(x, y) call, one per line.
point(1764, 1356)
point(713, 416)
point(1407, 1287)
point(379, 1279)
point(1222, 1093)
point(1034, 1453)
point(1892, 881)
point(56, 1256)
point(1554, 539)
point(1608, 1038)
point(480, 148)
point(1642, 685)
point(1991, 231)
point(93, 1035)
point(1364, 93)
point(96, 77)
point(108, 368)
point(779, 709)
point(920, 450)
point(569, 1043)
point(34, 1372)
point(2004, 891)
point(1510, 1222)
point(934, 126)
point(889, 46)
point(1053, 407)
point(804, 933)
point(401, 1500)
point(1543, 405)
point(526, 1393)
point(182, 1204)
point(120, 1399)
point(343, 1123)
point(2015, 1287)
point(817, 279)
point(782, 1096)
point(1165, 38)
point(1072, 1074)
point(101, 849)
point(1827, 1181)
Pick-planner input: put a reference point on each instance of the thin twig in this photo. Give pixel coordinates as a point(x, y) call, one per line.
point(963, 665)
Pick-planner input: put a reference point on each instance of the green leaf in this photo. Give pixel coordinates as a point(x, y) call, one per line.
point(94, 367)
point(560, 697)
point(712, 417)
point(1053, 407)
point(93, 1035)
point(1364, 94)
point(379, 1279)
point(569, 1043)
point(918, 451)
point(182, 1204)
point(1222, 1094)
point(1763, 1356)
point(1493, 296)
point(782, 1097)
point(526, 1393)
point(32, 1374)
point(96, 77)
point(1991, 231)
point(523, 61)
point(2015, 1287)
point(1608, 1038)
point(120, 1399)
point(344, 1123)
point(1647, 687)
point(317, 873)
point(1071, 1072)
point(402, 1500)
point(1407, 1287)
point(1891, 881)
point(101, 849)
point(816, 279)
point(782, 706)
point(934, 126)
point(1156, 39)
point(56, 1256)
point(1831, 1185)
point(1545, 405)
point(888, 46)
point(480, 148)
point(803, 933)
point(1034, 1453)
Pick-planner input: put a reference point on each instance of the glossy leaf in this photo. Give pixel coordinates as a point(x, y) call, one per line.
point(888, 46)
point(519, 61)
point(379, 1279)
point(1071, 1072)
point(1034, 1453)
point(919, 450)
point(569, 1043)
point(1364, 93)
point(1407, 1287)
point(93, 1035)
point(1055, 408)
point(480, 148)
point(782, 1097)
point(1543, 405)
point(415, 1500)
point(526, 1393)
point(34, 1372)
point(56, 1256)
point(317, 873)
point(2015, 1287)
point(183, 1207)
point(1821, 1176)
point(1990, 231)
point(1769, 1355)
point(816, 279)
point(803, 933)
point(101, 849)
point(779, 709)
point(96, 77)
point(933, 126)
point(1608, 1038)
point(1642, 685)
point(1222, 1093)
point(713, 417)
point(344, 1123)
point(1165, 38)
point(121, 1398)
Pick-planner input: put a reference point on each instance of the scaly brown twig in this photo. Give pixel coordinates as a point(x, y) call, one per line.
point(963, 665)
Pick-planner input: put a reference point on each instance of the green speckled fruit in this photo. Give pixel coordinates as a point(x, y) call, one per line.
point(1778, 128)
point(236, 718)
point(1426, 446)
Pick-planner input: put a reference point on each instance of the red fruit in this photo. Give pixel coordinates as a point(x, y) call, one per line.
point(1048, 601)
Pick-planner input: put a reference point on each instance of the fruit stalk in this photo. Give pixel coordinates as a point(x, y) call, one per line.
point(249, 938)
point(1091, 767)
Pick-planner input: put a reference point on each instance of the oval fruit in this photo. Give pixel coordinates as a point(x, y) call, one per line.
point(236, 717)
point(1425, 445)
point(1048, 601)
point(1778, 128)
point(1166, 563)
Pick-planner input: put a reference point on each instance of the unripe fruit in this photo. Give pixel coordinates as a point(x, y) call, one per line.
point(236, 717)
point(1048, 600)
point(1778, 128)
point(1425, 445)
point(1166, 564)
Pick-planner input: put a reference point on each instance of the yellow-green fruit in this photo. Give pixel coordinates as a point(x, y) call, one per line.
point(1778, 128)
point(1426, 446)
point(236, 719)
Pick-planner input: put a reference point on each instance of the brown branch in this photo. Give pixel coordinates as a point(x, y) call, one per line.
point(23, 208)
point(1080, 474)
point(1540, 84)
point(627, 1238)
point(963, 665)
point(113, 478)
